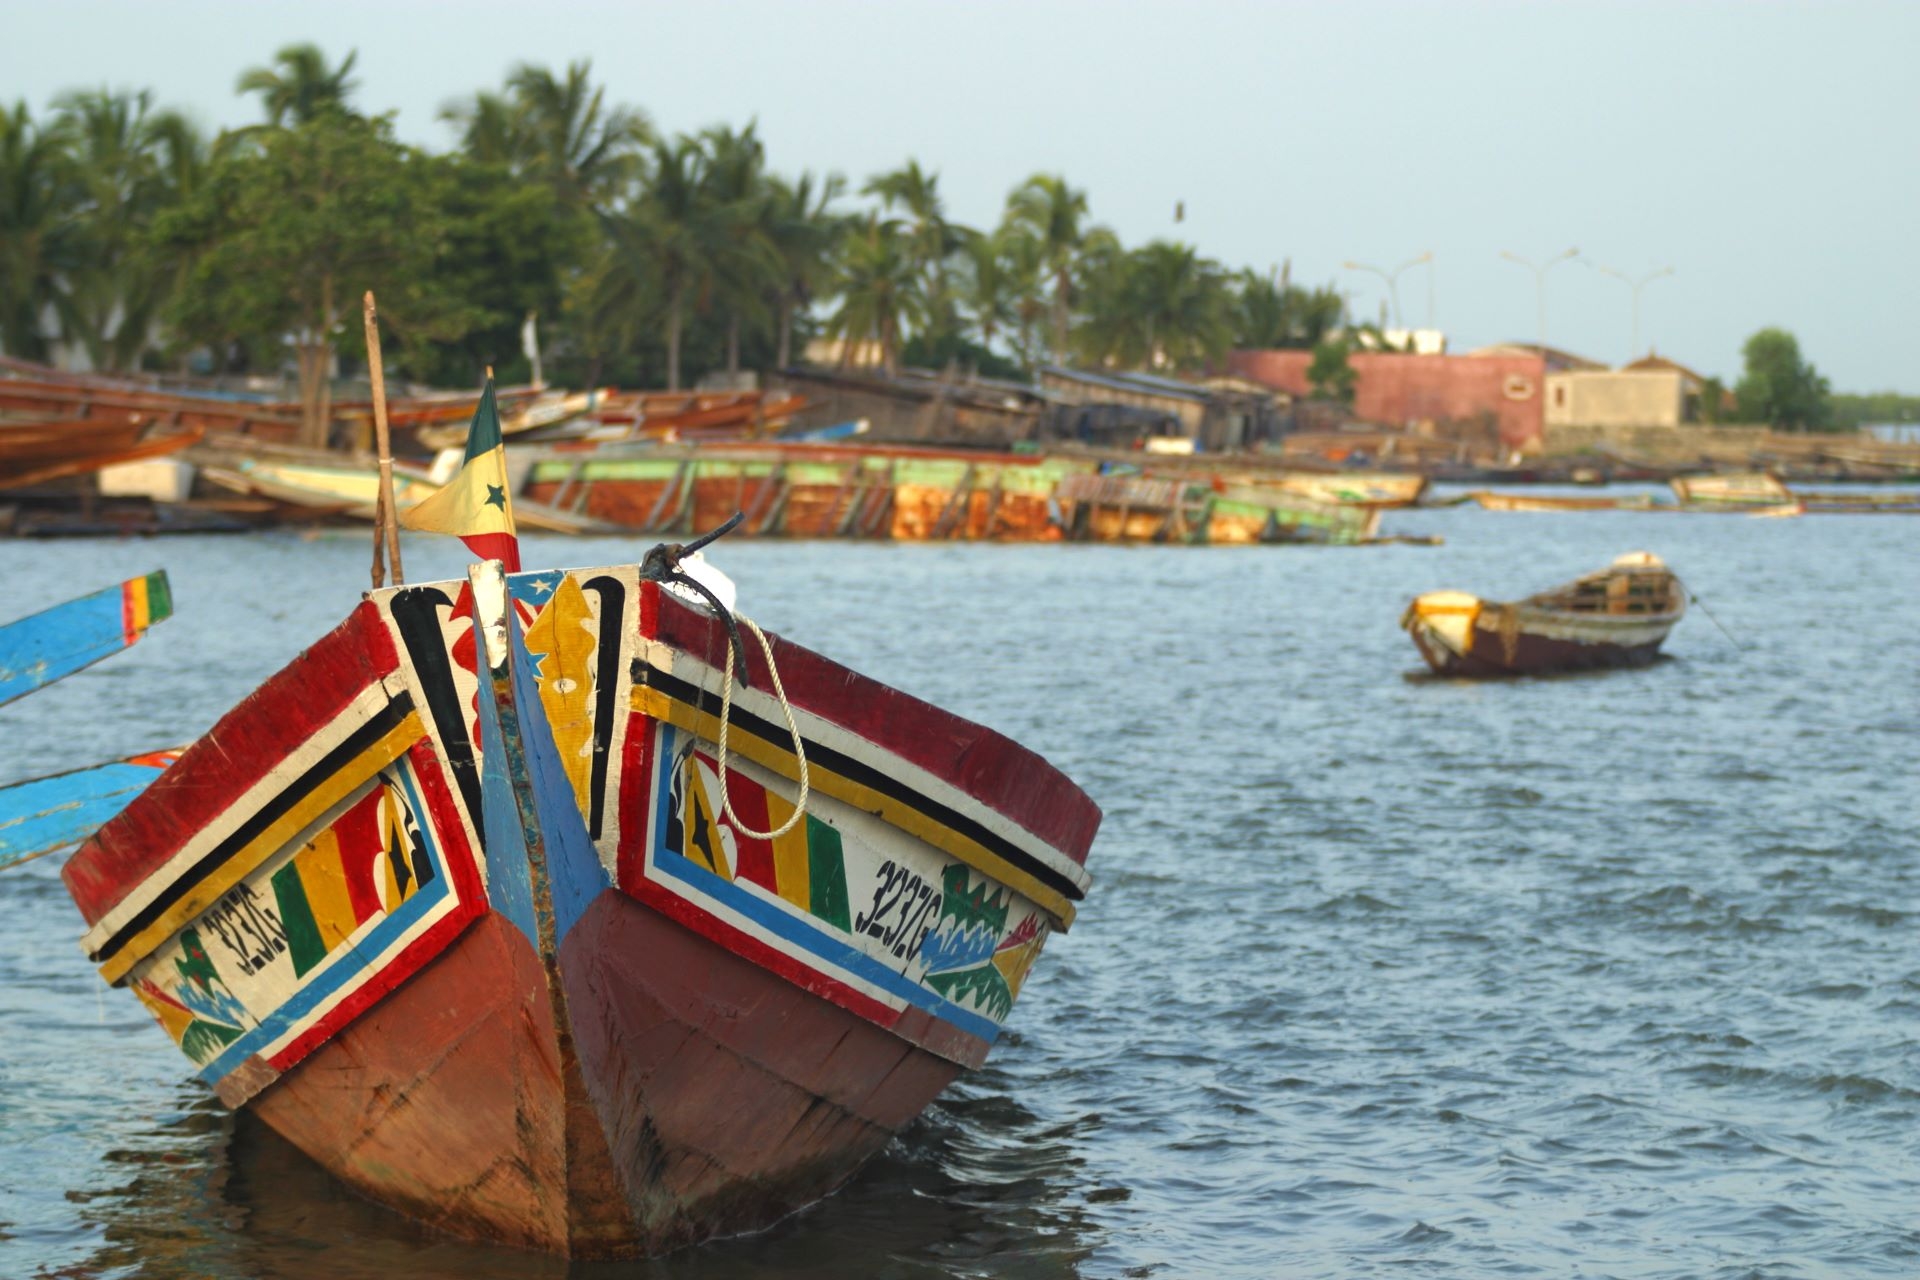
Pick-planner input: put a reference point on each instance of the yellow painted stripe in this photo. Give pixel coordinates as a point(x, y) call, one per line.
point(324, 881)
point(653, 702)
point(790, 863)
point(141, 609)
point(269, 842)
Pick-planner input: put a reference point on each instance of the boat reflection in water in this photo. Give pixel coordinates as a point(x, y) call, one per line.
point(978, 1185)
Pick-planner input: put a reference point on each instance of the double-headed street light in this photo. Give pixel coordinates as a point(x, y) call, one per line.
point(1540, 284)
point(1636, 286)
point(1393, 283)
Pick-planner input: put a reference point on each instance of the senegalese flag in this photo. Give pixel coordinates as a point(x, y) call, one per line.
point(475, 506)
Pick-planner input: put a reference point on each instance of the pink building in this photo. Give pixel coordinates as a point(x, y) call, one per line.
point(1393, 389)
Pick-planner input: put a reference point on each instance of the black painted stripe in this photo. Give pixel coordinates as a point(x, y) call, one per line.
point(855, 771)
point(383, 722)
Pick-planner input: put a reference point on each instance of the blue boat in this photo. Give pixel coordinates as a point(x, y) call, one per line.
point(54, 643)
point(44, 815)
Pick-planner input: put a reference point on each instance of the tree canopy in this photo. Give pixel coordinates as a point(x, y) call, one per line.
point(1778, 387)
point(130, 239)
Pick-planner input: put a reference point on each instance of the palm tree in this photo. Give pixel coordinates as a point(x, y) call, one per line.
point(1274, 312)
point(880, 297)
point(932, 239)
point(587, 149)
point(302, 89)
point(993, 284)
point(1053, 212)
point(38, 240)
point(805, 237)
point(492, 130)
point(669, 242)
point(1182, 304)
point(749, 265)
point(129, 163)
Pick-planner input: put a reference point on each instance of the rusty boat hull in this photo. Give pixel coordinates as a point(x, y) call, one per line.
point(467, 905)
point(1617, 617)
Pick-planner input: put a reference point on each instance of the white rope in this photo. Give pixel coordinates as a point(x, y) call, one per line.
point(799, 748)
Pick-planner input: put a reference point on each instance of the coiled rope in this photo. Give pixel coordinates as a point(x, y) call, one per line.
point(662, 564)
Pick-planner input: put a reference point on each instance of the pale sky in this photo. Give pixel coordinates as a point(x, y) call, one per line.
point(1769, 153)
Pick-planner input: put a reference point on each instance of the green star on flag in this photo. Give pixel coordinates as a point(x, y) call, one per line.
point(475, 506)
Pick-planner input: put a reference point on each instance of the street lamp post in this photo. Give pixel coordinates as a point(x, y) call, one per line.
point(1393, 282)
point(1636, 286)
point(1540, 284)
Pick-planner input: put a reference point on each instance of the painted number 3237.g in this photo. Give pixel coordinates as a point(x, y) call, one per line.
point(902, 909)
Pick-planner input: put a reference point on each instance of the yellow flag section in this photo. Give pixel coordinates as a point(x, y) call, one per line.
point(475, 506)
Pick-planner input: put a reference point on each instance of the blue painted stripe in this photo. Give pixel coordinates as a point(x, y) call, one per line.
point(49, 813)
point(390, 929)
point(56, 642)
point(825, 946)
point(575, 876)
point(502, 840)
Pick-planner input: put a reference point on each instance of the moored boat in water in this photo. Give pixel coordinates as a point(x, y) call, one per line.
point(1617, 617)
point(517, 911)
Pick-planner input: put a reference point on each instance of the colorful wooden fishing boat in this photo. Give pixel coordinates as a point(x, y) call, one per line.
point(1617, 617)
point(509, 908)
point(73, 635)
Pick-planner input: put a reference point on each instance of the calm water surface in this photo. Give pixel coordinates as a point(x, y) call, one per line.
point(1611, 975)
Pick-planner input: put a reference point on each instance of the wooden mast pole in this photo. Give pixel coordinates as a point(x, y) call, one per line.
point(386, 523)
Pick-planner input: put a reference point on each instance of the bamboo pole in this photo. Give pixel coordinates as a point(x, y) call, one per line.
point(386, 523)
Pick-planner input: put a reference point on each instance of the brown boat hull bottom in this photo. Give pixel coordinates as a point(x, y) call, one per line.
point(1528, 654)
point(691, 1094)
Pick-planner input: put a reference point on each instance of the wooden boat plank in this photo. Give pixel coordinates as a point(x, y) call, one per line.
point(47, 646)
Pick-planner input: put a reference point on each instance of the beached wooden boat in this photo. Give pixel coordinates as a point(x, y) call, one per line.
point(1617, 617)
point(797, 490)
point(54, 643)
point(502, 903)
point(331, 490)
point(1489, 500)
point(34, 453)
point(1883, 502)
point(1745, 488)
point(1134, 508)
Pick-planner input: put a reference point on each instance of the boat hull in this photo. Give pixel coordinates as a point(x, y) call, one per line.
point(1495, 651)
point(1618, 617)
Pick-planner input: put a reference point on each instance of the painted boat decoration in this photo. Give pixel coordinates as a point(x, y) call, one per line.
point(1617, 617)
point(45, 815)
point(54, 643)
point(510, 909)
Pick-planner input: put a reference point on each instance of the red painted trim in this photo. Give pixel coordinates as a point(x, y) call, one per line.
point(993, 769)
point(128, 632)
point(248, 744)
